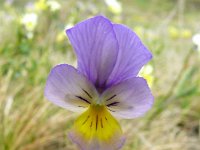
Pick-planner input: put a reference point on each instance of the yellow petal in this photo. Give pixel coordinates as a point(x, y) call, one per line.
point(97, 129)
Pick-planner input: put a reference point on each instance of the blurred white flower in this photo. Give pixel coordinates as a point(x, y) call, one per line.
point(29, 35)
point(147, 73)
point(114, 6)
point(29, 20)
point(196, 40)
point(69, 25)
point(53, 5)
point(148, 69)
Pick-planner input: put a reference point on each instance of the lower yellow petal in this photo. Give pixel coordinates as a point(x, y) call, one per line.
point(97, 129)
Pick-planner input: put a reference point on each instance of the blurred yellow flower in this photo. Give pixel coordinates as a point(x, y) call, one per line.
point(147, 73)
point(179, 33)
point(117, 19)
point(52, 5)
point(139, 30)
point(173, 32)
point(29, 21)
point(60, 36)
point(41, 5)
point(186, 33)
point(114, 6)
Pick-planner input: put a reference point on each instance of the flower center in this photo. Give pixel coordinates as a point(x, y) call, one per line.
point(97, 122)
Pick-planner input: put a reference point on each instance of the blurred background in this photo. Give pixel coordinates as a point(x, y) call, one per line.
point(32, 41)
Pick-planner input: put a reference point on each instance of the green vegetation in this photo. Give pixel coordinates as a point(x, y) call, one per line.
point(32, 41)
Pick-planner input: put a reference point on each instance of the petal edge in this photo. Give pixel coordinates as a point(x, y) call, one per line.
point(69, 89)
point(129, 99)
point(96, 47)
point(132, 55)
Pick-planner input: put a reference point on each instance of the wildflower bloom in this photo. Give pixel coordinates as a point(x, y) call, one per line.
point(53, 5)
point(147, 73)
point(196, 41)
point(105, 84)
point(114, 6)
point(29, 20)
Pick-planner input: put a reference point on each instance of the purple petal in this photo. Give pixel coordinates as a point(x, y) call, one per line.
point(96, 48)
point(129, 99)
point(114, 143)
point(69, 89)
point(132, 55)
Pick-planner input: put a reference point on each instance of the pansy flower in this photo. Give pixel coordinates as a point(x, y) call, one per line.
point(104, 86)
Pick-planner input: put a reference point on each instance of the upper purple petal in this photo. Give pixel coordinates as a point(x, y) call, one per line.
point(96, 48)
point(132, 55)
